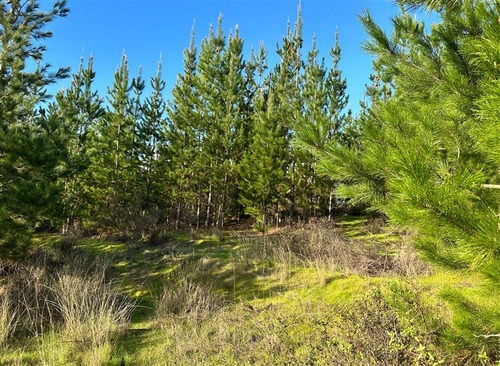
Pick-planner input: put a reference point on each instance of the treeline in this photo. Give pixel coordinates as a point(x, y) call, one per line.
point(221, 149)
point(127, 162)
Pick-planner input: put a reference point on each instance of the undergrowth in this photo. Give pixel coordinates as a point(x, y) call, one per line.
point(326, 293)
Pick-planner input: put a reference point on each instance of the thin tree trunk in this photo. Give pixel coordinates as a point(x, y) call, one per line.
point(264, 219)
point(292, 207)
point(116, 152)
point(330, 206)
point(209, 207)
point(198, 209)
point(220, 213)
point(223, 203)
point(65, 208)
point(178, 216)
point(277, 214)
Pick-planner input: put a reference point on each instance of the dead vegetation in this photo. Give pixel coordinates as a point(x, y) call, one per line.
point(62, 291)
point(188, 300)
point(325, 248)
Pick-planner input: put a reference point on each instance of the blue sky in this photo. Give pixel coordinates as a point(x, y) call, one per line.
point(146, 28)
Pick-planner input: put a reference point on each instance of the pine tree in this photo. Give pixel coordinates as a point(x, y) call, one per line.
point(221, 86)
point(234, 128)
point(32, 143)
point(323, 122)
point(80, 108)
point(427, 155)
point(285, 80)
point(151, 136)
point(113, 159)
point(263, 168)
point(182, 155)
point(255, 70)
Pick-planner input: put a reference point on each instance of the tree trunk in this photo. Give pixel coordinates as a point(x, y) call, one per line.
point(198, 209)
point(330, 206)
point(209, 207)
point(264, 219)
point(277, 214)
point(178, 216)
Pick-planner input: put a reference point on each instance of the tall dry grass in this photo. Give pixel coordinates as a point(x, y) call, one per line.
point(91, 308)
point(8, 319)
point(67, 294)
point(188, 299)
point(322, 247)
point(368, 331)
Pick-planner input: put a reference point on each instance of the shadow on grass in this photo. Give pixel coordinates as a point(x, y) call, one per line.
point(145, 270)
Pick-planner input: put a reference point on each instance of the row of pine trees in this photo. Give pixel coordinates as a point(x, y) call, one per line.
point(221, 149)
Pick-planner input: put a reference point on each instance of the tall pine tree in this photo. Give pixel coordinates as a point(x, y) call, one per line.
point(33, 144)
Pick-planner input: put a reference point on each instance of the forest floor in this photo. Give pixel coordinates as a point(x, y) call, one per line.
point(349, 292)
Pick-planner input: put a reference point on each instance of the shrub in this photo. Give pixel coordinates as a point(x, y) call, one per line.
point(371, 331)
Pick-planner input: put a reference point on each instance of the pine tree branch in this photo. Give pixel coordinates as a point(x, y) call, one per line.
point(438, 5)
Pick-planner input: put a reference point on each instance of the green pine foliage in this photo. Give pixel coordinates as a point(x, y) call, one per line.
point(323, 122)
point(182, 155)
point(113, 161)
point(150, 140)
point(80, 107)
point(33, 151)
point(427, 156)
point(286, 81)
point(263, 168)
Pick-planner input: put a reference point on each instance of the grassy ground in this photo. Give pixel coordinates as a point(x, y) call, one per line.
point(225, 298)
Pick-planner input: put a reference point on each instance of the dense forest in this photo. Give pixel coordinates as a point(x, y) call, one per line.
point(243, 141)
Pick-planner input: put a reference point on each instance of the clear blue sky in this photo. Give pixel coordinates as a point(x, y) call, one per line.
point(146, 28)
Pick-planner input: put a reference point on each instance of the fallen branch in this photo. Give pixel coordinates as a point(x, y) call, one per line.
point(487, 335)
point(491, 186)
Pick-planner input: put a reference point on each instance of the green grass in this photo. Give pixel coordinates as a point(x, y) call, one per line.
point(270, 306)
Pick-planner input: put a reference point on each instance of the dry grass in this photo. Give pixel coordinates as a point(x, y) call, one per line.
point(368, 331)
point(91, 308)
point(28, 300)
point(8, 319)
point(406, 260)
point(63, 293)
point(374, 225)
point(188, 299)
point(323, 247)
